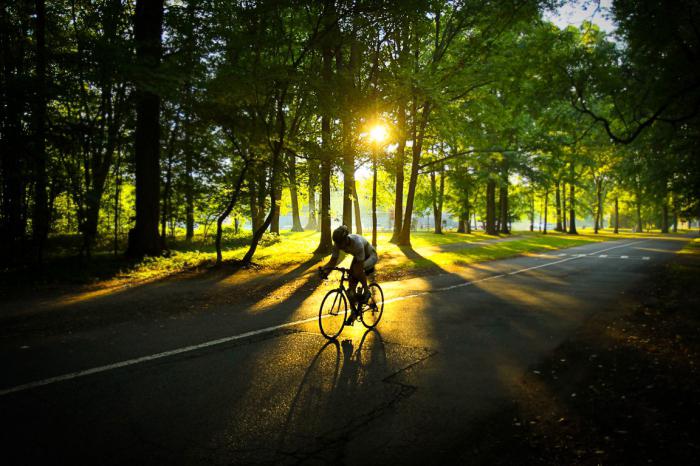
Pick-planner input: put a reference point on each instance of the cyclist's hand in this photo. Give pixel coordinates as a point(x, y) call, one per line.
point(323, 273)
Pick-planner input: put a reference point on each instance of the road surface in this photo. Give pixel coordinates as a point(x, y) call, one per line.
point(258, 384)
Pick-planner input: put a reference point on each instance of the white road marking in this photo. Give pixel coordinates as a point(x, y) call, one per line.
point(645, 258)
point(562, 254)
point(624, 257)
point(207, 344)
point(164, 354)
point(603, 255)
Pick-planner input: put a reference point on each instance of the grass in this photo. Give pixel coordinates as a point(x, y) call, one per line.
point(429, 252)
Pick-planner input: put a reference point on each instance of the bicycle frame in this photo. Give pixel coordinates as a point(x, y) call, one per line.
point(345, 277)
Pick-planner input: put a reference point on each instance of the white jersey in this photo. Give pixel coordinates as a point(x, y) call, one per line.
point(358, 247)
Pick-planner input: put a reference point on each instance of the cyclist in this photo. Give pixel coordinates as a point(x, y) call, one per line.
point(364, 258)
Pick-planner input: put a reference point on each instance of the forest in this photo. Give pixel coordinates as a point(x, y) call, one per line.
point(135, 127)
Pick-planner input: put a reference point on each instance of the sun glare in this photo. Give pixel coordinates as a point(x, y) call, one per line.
point(378, 133)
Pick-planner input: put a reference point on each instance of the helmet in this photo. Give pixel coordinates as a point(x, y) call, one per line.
point(339, 234)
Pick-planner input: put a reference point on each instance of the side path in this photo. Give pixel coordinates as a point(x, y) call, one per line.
point(43, 355)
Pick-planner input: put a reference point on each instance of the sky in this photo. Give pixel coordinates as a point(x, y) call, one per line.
point(574, 12)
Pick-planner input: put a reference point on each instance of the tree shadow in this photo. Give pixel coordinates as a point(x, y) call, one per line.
point(183, 292)
point(422, 261)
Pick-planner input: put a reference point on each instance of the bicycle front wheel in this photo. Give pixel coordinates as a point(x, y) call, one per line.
point(331, 315)
point(372, 311)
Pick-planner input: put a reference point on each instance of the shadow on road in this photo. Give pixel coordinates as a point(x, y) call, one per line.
point(331, 403)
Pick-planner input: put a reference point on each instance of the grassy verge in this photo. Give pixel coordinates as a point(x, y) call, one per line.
point(429, 253)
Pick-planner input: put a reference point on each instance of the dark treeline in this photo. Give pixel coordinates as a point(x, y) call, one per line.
point(124, 121)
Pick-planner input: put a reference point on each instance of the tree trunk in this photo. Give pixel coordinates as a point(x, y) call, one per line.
point(13, 152)
point(117, 189)
point(253, 203)
point(462, 224)
point(503, 202)
point(189, 185)
point(325, 243)
point(143, 238)
point(572, 208)
point(167, 189)
point(491, 207)
point(675, 215)
point(599, 205)
point(638, 203)
point(564, 223)
point(418, 136)
point(356, 202)
point(617, 215)
point(312, 223)
point(557, 201)
point(275, 222)
point(296, 220)
point(546, 202)
point(40, 220)
point(227, 210)
point(348, 173)
point(262, 191)
point(465, 221)
point(467, 211)
point(258, 233)
point(532, 212)
point(374, 199)
point(400, 156)
point(664, 216)
point(434, 196)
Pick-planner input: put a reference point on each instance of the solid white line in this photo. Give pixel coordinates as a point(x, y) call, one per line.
point(207, 344)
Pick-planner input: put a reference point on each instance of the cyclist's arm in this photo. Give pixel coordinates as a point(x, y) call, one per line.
point(333, 261)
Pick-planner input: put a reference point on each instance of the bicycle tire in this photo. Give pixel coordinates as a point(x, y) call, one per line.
point(373, 310)
point(331, 320)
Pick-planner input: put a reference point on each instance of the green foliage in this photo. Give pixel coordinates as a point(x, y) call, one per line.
point(489, 90)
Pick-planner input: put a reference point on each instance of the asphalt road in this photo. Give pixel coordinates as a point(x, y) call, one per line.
point(259, 385)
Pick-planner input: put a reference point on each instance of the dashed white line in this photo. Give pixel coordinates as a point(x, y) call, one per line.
point(645, 258)
point(603, 255)
point(624, 257)
point(207, 344)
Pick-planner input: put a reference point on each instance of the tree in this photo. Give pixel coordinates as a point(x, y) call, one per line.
point(148, 24)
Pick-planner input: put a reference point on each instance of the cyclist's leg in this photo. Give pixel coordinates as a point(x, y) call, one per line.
point(352, 285)
point(352, 297)
point(369, 266)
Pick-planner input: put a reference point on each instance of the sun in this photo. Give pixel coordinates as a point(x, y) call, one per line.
point(378, 133)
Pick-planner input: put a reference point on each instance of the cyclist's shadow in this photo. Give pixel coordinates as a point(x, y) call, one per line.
point(336, 387)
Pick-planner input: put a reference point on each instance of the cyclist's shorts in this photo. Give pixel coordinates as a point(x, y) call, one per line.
point(370, 262)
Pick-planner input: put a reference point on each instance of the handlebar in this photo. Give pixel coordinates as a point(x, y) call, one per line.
point(339, 269)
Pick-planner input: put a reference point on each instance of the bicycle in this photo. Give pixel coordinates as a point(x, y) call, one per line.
point(334, 307)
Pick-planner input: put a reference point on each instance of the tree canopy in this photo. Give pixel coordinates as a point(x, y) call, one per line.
point(127, 123)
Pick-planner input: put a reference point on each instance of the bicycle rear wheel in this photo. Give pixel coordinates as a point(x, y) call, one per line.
point(331, 314)
point(372, 311)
